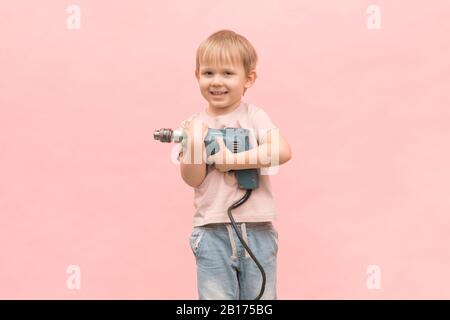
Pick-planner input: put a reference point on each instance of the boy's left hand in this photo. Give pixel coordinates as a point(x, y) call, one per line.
point(223, 159)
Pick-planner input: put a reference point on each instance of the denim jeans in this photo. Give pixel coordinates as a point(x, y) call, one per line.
point(225, 271)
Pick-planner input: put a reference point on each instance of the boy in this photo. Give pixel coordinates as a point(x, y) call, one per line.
point(225, 69)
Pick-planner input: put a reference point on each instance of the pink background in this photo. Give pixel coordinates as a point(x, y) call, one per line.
point(82, 182)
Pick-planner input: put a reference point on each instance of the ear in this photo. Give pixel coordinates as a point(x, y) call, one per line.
point(251, 78)
point(196, 74)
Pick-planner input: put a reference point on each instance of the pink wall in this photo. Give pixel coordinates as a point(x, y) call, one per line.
point(82, 182)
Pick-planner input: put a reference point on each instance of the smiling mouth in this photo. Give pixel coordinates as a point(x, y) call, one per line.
point(218, 93)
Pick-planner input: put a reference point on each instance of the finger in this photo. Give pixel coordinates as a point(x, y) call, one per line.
point(222, 169)
point(220, 141)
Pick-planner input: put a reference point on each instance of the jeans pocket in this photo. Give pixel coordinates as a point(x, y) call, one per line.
point(194, 240)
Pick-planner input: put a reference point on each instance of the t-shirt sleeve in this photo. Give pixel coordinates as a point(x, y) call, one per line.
point(261, 124)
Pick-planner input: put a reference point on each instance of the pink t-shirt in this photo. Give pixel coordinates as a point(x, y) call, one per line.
point(219, 190)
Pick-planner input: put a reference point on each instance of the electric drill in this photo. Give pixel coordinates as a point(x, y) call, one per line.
point(235, 139)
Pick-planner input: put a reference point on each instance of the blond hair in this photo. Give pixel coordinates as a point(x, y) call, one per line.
point(229, 47)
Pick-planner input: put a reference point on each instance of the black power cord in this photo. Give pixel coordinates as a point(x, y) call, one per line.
point(238, 232)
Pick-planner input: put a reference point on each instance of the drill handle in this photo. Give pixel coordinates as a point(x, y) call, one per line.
point(236, 140)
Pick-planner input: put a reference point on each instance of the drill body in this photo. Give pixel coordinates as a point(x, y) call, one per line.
point(235, 139)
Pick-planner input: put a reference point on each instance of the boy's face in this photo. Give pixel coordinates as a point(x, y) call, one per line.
point(223, 85)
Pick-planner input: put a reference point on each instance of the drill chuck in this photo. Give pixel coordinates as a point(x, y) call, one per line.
point(168, 135)
point(163, 135)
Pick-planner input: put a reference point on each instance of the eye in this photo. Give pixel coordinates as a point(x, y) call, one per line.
point(207, 73)
point(228, 73)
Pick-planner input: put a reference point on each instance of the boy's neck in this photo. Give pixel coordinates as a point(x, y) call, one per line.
point(214, 112)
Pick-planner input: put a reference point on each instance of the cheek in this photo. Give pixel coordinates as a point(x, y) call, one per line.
point(235, 88)
point(236, 84)
point(204, 82)
point(203, 85)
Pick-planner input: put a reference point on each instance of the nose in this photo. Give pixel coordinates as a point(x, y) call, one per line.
point(216, 80)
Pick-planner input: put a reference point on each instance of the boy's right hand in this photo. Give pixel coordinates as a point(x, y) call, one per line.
point(196, 131)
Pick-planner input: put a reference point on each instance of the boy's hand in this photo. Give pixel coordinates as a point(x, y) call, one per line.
point(196, 131)
point(223, 159)
point(193, 144)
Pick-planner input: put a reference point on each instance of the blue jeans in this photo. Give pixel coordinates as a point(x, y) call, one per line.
point(225, 271)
